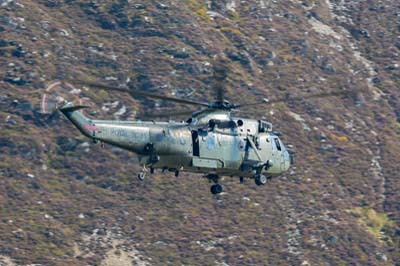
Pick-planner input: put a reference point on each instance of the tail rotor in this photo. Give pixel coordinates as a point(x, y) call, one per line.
point(57, 94)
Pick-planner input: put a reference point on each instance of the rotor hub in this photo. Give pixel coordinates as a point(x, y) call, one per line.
point(224, 105)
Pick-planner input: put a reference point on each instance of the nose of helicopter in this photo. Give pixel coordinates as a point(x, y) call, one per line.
point(286, 158)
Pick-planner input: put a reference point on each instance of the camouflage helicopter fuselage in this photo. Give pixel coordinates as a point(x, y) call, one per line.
point(211, 142)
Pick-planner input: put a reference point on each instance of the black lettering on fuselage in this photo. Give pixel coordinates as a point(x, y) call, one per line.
point(137, 136)
point(118, 132)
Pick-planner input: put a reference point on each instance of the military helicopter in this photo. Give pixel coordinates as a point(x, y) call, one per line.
point(211, 142)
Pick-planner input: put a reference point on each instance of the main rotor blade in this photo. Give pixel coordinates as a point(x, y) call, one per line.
point(169, 114)
point(288, 98)
point(140, 93)
point(220, 74)
point(220, 93)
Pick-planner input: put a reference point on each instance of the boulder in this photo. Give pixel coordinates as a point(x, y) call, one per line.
point(328, 68)
point(238, 56)
point(381, 256)
point(49, 234)
point(67, 144)
point(19, 52)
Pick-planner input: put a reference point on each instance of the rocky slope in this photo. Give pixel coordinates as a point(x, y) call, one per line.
point(65, 201)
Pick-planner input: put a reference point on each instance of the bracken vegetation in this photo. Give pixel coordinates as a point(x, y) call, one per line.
point(65, 201)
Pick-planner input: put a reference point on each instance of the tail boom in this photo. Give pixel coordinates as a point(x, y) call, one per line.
point(79, 120)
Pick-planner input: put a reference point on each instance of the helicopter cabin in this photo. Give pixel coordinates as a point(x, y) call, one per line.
point(224, 145)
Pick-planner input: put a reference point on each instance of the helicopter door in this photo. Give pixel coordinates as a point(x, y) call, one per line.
point(195, 141)
point(279, 154)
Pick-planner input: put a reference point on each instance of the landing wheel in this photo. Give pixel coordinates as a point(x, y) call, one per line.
point(216, 189)
point(141, 176)
point(241, 179)
point(260, 180)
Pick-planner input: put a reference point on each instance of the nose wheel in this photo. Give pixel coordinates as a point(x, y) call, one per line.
point(141, 176)
point(216, 189)
point(260, 180)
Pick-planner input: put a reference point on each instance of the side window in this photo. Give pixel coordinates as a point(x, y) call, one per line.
point(278, 144)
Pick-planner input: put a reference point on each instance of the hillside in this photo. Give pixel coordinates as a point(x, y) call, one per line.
point(66, 201)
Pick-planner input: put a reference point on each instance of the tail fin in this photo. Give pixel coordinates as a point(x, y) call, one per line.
point(72, 108)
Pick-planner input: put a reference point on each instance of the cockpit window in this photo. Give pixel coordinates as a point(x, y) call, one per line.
point(278, 144)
